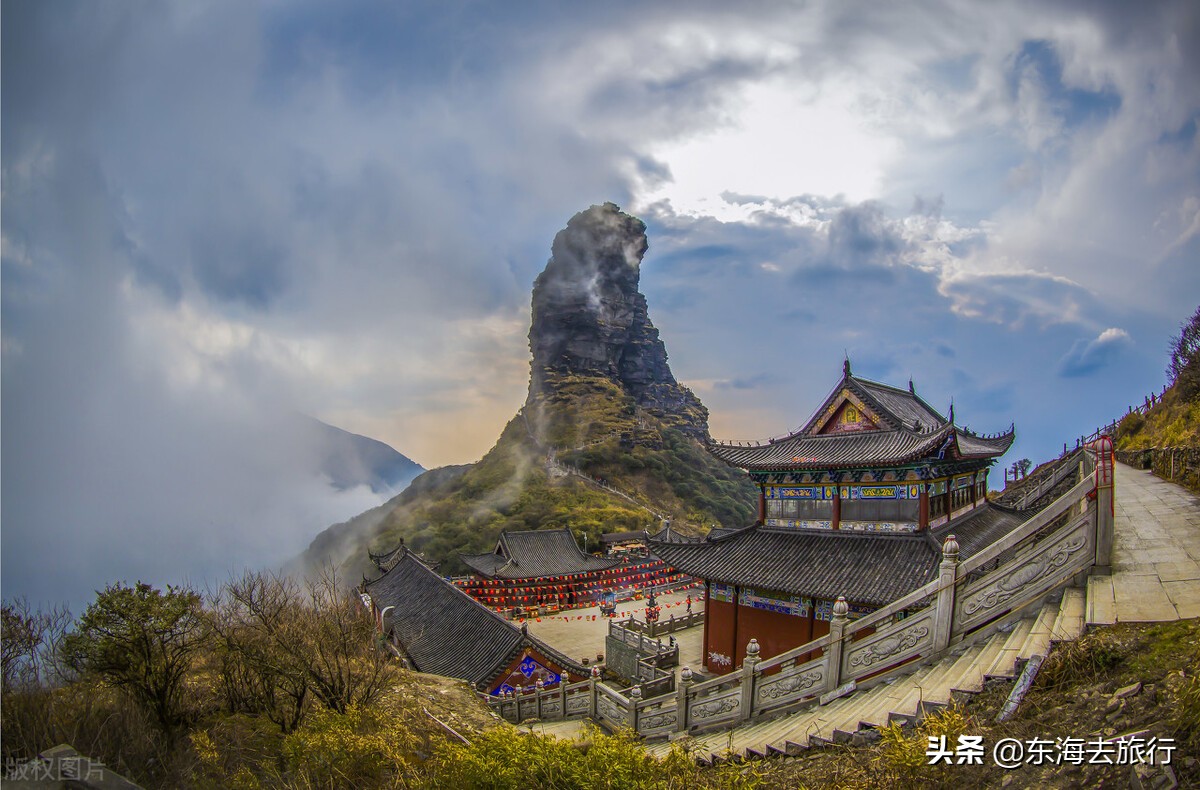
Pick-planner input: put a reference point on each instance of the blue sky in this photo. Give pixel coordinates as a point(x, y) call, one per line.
point(217, 214)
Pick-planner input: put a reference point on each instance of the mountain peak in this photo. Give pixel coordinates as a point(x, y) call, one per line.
point(589, 318)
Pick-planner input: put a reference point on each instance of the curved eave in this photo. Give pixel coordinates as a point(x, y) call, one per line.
point(979, 447)
point(916, 447)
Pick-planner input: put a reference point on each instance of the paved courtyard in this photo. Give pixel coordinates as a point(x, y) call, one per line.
point(580, 636)
point(1156, 553)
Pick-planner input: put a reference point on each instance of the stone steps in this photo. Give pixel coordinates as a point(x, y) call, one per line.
point(1038, 641)
point(1069, 623)
point(1101, 601)
point(1005, 665)
point(906, 697)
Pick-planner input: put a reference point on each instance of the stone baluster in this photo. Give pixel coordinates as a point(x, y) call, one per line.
point(681, 699)
point(1104, 504)
point(635, 696)
point(833, 655)
point(748, 665)
point(593, 711)
point(943, 618)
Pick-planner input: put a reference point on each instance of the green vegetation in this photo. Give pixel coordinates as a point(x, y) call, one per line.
point(145, 643)
point(504, 760)
point(143, 667)
point(1183, 371)
point(1175, 420)
point(586, 425)
point(274, 683)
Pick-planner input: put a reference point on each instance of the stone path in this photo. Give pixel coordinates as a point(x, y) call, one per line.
point(1155, 573)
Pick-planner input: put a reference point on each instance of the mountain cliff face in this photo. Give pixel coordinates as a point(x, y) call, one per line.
point(607, 440)
point(589, 318)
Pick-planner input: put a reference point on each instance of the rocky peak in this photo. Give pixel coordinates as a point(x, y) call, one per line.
point(590, 318)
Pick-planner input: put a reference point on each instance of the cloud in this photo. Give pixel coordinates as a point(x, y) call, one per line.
point(1086, 357)
point(216, 213)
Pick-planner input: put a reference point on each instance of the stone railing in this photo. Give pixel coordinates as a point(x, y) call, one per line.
point(563, 701)
point(1064, 471)
point(640, 659)
point(967, 601)
point(660, 627)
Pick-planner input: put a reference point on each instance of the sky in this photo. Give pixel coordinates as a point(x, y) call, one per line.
point(215, 215)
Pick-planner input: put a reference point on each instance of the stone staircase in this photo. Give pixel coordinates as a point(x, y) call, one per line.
point(964, 671)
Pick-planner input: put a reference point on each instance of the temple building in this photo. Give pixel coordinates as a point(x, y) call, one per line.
point(855, 504)
point(437, 628)
point(547, 571)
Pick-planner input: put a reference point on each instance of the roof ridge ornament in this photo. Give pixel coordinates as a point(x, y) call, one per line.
point(846, 366)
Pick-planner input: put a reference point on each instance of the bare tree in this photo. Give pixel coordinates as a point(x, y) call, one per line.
point(288, 645)
point(29, 648)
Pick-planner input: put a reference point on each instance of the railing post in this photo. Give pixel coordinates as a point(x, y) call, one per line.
point(1104, 502)
point(562, 694)
point(833, 656)
point(681, 699)
point(943, 619)
point(537, 692)
point(635, 696)
point(592, 707)
point(748, 665)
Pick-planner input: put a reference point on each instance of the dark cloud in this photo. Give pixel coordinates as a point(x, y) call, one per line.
point(861, 236)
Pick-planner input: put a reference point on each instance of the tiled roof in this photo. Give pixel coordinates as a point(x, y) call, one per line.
point(972, 446)
point(536, 553)
point(868, 448)
point(669, 534)
point(446, 632)
point(979, 529)
point(903, 406)
point(911, 430)
point(443, 630)
point(867, 569)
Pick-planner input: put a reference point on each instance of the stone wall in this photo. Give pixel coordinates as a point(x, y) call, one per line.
point(1177, 464)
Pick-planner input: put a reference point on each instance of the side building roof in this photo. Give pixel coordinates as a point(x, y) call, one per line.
point(446, 632)
point(531, 554)
point(867, 568)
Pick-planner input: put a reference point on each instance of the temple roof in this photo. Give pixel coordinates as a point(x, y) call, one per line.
point(896, 427)
point(868, 568)
point(446, 632)
point(536, 553)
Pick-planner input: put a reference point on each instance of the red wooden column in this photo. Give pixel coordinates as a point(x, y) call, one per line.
point(762, 504)
point(923, 508)
point(836, 521)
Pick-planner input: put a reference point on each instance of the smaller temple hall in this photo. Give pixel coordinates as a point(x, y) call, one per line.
point(435, 627)
point(856, 503)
